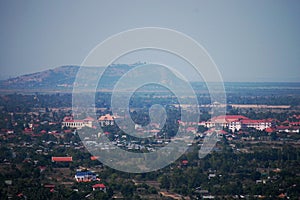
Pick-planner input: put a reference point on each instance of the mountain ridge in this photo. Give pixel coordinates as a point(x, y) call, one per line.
point(60, 78)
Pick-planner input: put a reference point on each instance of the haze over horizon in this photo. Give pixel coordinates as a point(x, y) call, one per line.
point(250, 41)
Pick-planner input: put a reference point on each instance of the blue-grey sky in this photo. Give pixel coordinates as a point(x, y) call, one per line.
point(248, 40)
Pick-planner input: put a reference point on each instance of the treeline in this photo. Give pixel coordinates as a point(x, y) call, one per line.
point(26, 102)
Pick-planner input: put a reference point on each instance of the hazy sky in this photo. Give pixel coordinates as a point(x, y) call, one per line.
point(248, 40)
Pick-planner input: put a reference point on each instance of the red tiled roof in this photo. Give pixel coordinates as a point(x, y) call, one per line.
point(62, 159)
point(253, 121)
point(228, 118)
point(106, 117)
point(269, 130)
point(71, 119)
point(295, 123)
point(185, 162)
point(100, 185)
point(94, 157)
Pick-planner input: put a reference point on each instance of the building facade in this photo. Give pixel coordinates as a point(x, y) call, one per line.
point(106, 120)
point(237, 122)
point(85, 176)
point(70, 122)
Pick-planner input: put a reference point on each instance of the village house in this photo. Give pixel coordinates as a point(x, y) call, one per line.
point(106, 120)
point(99, 187)
point(62, 159)
point(86, 176)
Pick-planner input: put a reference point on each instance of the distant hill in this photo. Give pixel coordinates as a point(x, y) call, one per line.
point(59, 79)
point(53, 78)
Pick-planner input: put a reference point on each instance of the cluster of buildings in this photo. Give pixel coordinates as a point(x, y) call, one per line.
point(85, 176)
point(238, 122)
point(70, 122)
point(233, 123)
point(82, 176)
point(88, 176)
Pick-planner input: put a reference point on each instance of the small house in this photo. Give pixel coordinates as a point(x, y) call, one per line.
point(85, 176)
point(99, 187)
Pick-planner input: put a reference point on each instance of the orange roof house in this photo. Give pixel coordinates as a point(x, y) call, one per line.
point(62, 159)
point(106, 117)
point(106, 120)
point(228, 118)
point(94, 157)
point(99, 186)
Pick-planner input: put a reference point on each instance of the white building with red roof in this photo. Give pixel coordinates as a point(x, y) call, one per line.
point(99, 186)
point(231, 122)
point(257, 124)
point(106, 120)
point(237, 122)
point(70, 122)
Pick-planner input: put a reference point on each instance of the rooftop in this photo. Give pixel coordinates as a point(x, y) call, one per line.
point(62, 159)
